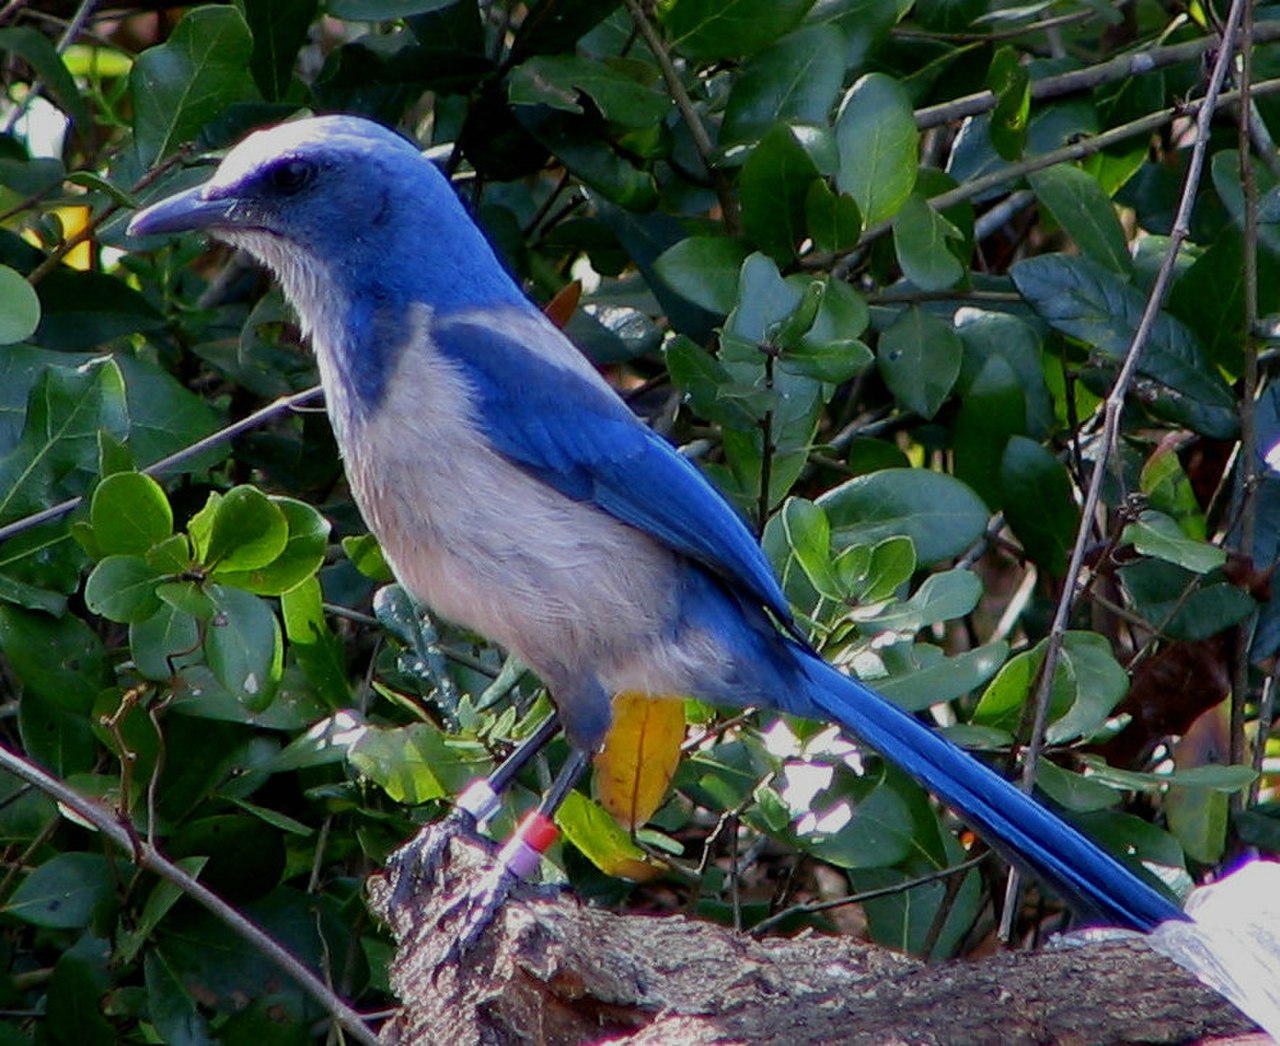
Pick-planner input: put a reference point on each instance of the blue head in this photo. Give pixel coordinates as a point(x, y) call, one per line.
point(357, 225)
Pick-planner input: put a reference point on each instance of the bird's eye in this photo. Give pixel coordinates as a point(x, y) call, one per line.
point(291, 176)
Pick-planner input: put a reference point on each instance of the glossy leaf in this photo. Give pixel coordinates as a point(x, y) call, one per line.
point(877, 137)
point(729, 28)
point(1009, 81)
point(920, 237)
point(1079, 205)
point(704, 269)
point(793, 81)
point(63, 892)
point(19, 307)
point(919, 358)
point(244, 646)
point(941, 515)
point(1080, 298)
point(129, 514)
point(185, 82)
point(773, 187)
point(1039, 503)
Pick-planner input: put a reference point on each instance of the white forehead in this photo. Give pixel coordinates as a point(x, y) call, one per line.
point(348, 136)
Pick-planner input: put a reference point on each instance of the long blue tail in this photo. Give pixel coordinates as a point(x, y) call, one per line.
point(1098, 888)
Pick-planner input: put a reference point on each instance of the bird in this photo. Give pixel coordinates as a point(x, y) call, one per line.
point(516, 494)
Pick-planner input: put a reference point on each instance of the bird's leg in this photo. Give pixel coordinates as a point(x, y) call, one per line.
point(517, 859)
point(418, 860)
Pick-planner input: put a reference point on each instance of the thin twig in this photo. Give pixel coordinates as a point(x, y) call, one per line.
point(701, 140)
point(760, 928)
point(1112, 413)
point(1135, 63)
point(146, 856)
point(1074, 151)
point(258, 417)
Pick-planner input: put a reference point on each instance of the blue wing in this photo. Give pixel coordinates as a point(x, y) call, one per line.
point(584, 442)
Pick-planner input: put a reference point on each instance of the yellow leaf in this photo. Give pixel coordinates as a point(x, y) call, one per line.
point(639, 757)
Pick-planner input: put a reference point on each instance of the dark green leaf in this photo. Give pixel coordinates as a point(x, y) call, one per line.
point(1093, 304)
point(941, 515)
point(246, 530)
point(244, 646)
point(920, 236)
point(185, 82)
point(729, 28)
point(301, 557)
point(279, 29)
point(795, 80)
point(560, 80)
point(772, 188)
point(38, 51)
point(1038, 503)
point(833, 221)
point(19, 307)
point(63, 892)
point(122, 588)
point(1079, 205)
point(877, 137)
point(992, 410)
point(919, 359)
point(704, 269)
point(82, 310)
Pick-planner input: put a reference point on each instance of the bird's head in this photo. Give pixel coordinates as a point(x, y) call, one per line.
point(339, 205)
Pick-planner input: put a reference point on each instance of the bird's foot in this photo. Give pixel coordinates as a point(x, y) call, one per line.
point(418, 862)
point(477, 906)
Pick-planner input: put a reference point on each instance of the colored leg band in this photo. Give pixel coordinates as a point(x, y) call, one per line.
point(525, 849)
point(479, 800)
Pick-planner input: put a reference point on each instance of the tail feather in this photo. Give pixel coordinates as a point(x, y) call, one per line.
point(1096, 886)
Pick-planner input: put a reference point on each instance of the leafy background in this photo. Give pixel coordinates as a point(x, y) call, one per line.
point(877, 266)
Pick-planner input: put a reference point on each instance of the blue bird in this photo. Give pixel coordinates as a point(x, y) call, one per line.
point(515, 493)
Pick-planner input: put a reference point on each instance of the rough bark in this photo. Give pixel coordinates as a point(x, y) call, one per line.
point(551, 970)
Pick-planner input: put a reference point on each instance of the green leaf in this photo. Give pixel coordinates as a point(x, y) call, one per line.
point(704, 270)
point(941, 515)
point(129, 513)
point(942, 597)
point(987, 334)
point(1079, 205)
point(772, 188)
point(279, 31)
point(809, 538)
point(794, 80)
point(412, 764)
point(244, 646)
point(833, 221)
point(1099, 684)
point(877, 138)
point(876, 834)
point(729, 28)
point(319, 652)
point(302, 555)
point(920, 236)
point(164, 642)
point(366, 556)
point(181, 85)
point(919, 359)
point(61, 659)
point(1009, 81)
point(245, 531)
point(1155, 534)
point(1080, 298)
point(830, 350)
point(992, 410)
point(123, 588)
point(63, 892)
point(946, 680)
point(1039, 504)
point(57, 454)
point(82, 310)
point(560, 80)
point(19, 307)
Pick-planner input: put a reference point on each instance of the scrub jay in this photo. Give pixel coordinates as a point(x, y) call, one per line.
point(517, 495)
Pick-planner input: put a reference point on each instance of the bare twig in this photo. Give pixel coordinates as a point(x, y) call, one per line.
point(701, 139)
point(1134, 63)
point(258, 417)
point(1112, 412)
point(153, 861)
